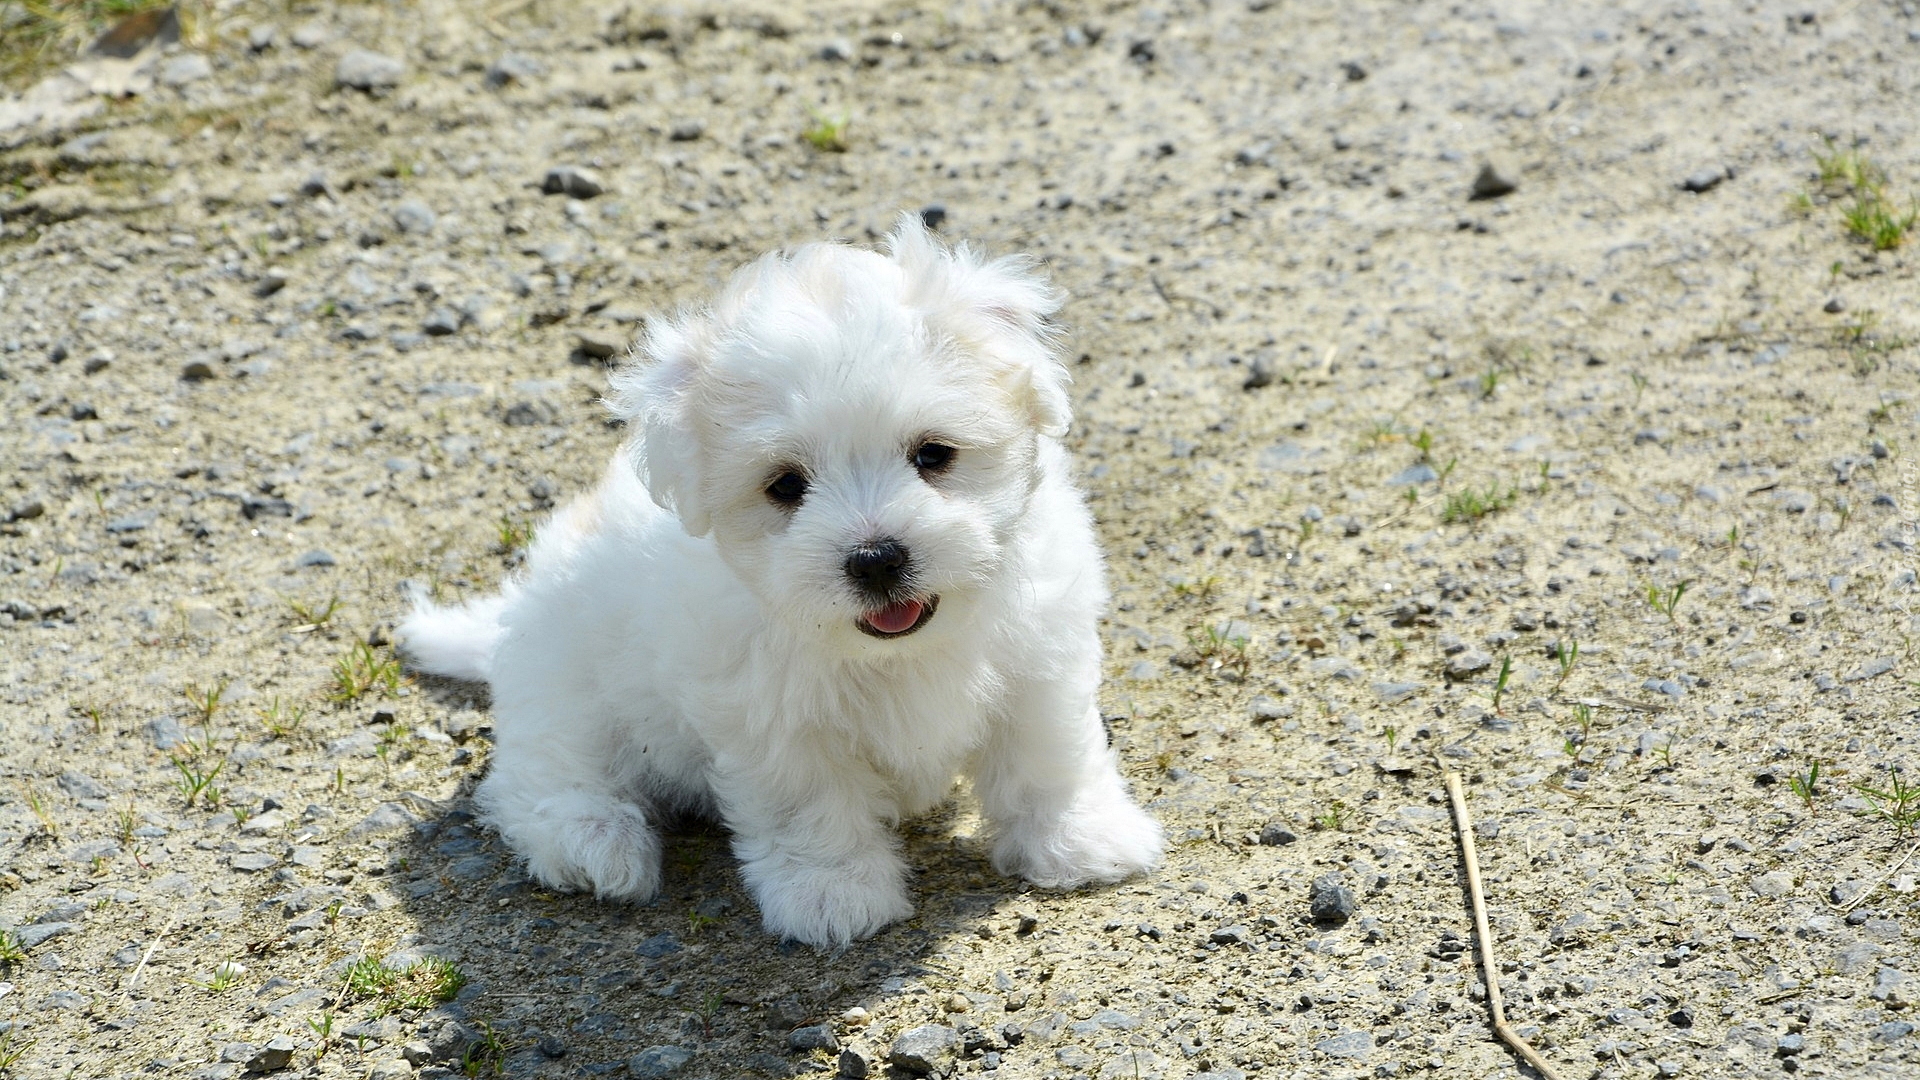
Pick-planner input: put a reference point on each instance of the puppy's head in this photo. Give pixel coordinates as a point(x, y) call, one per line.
point(859, 431)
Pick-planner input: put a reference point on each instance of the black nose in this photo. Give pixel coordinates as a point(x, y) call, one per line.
point(878, 566)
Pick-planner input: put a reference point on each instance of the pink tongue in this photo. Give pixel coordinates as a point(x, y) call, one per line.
point(895, 617)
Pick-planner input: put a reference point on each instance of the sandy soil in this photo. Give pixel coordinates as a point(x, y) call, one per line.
point(1371, 457)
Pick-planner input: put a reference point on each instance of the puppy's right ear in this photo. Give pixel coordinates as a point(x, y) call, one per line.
point(654, 394)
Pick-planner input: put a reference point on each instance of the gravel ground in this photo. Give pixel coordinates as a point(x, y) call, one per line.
point(1598, 489)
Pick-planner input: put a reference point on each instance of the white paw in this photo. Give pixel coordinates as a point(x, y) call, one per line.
point(828, 905)
point(602, 846)
point(1101, 838)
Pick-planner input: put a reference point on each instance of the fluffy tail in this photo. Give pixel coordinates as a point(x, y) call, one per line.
point(453, 641)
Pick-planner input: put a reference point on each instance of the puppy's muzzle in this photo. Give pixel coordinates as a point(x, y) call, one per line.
point(881, 573)
point(879, 568)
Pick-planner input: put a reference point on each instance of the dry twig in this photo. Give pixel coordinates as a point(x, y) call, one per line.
point(1875, 887)
point(1491, 970)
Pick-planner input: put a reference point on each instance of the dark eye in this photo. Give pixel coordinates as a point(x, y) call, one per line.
point(788, 489)
point(933, 457)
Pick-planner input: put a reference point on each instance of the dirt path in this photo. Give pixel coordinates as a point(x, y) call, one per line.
point(1371, 459)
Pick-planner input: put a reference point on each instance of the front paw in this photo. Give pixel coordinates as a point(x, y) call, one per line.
point(1103, 839)
point(828, 905)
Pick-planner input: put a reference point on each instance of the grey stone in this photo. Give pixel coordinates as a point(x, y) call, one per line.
point(1274, 834)
point(253, 862)
point(277, 1054)
point(1230, 935)
point(1772, 884)
point(1886, 983)
point(1467, 662)
point(449, 1040)
point(1870, 669)
point(852, 1065)
point(686, 130)
point(185, 68)
point(414, 216)
point(316, 557)
point(1354, 1045)
point(1891, 1031)
point(364, 69)
point(813, 1037)
point(660, 944)
point(1704, 180)
point(573, 181)
point(35, 934)
point(1497, 178)
point(1330, 900)
point(81, 786)
point(924, 1049)
point(514, 68)
point(441, 321)
point(529, 414)
point(310, 35)
point(658, 1061)
point(263, 37)
point(385, 817)
point(1412, 475)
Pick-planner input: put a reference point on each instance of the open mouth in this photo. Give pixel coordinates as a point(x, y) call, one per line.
point(898, 619)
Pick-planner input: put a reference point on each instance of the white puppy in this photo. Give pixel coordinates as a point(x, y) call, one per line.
point(839, 562)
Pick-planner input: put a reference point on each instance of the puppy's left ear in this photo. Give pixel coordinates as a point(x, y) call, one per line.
point(1007, 301)
point(654, 394)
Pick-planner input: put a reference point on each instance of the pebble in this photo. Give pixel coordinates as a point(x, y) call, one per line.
point(852, 1065)
point(390, 1069)
point(81, 786)
point(185, 68)
point(414, 216)
point(658, 1061)
point(442, 321)
point(277, 1054)
point(813, 1037)
point(364, 69)
point(514, 68)
point(686, 130)
point(1413, 475)
point(1274, 834)
point(1259, 372)
point(253, 862)
point(1353, 1045)
point(923, 1050)
point(311, 35)
point(1497, 178)
point(1330, 900)
point(1704, 179)
point(1467, 662)
point(316, 557)
point(36, 933)
point(573, 181)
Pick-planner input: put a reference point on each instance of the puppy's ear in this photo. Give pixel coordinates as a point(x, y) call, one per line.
point(1008, 303)
point(654, 393)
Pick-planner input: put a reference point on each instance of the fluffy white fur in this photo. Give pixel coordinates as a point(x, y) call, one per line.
point(683, 640)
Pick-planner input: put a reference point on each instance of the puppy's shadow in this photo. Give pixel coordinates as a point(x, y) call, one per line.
point(577, 986)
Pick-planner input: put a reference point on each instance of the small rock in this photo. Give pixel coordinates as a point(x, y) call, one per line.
point(1259, 372)
point(1329, 899)
point(658, 1061)
point(813, 1037)
point(514, 68)
point(1704, 180)
point(1413, 476)
point(35, 933)
point(1232, 935)
point(81, 786)
point(1467, 662)
point(852, 1065)
point(1774, 883)
point(390, 1069)
point(933, 215)
point(1497, 178)
point(185, 68)
point(414, 216)
point(196, 371)
point(316, 557)
point(263, 37)
point(271, 281)
point(923, 1050)
point(310, 36)
point(573, 181)
point(1274, 834)
point(253, 862)
point(364, 69)
point(529, 414)
point(441, 321)
point(1354, 1045)
point(277, 1054)
point(1835, 306)
point(686, 130)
